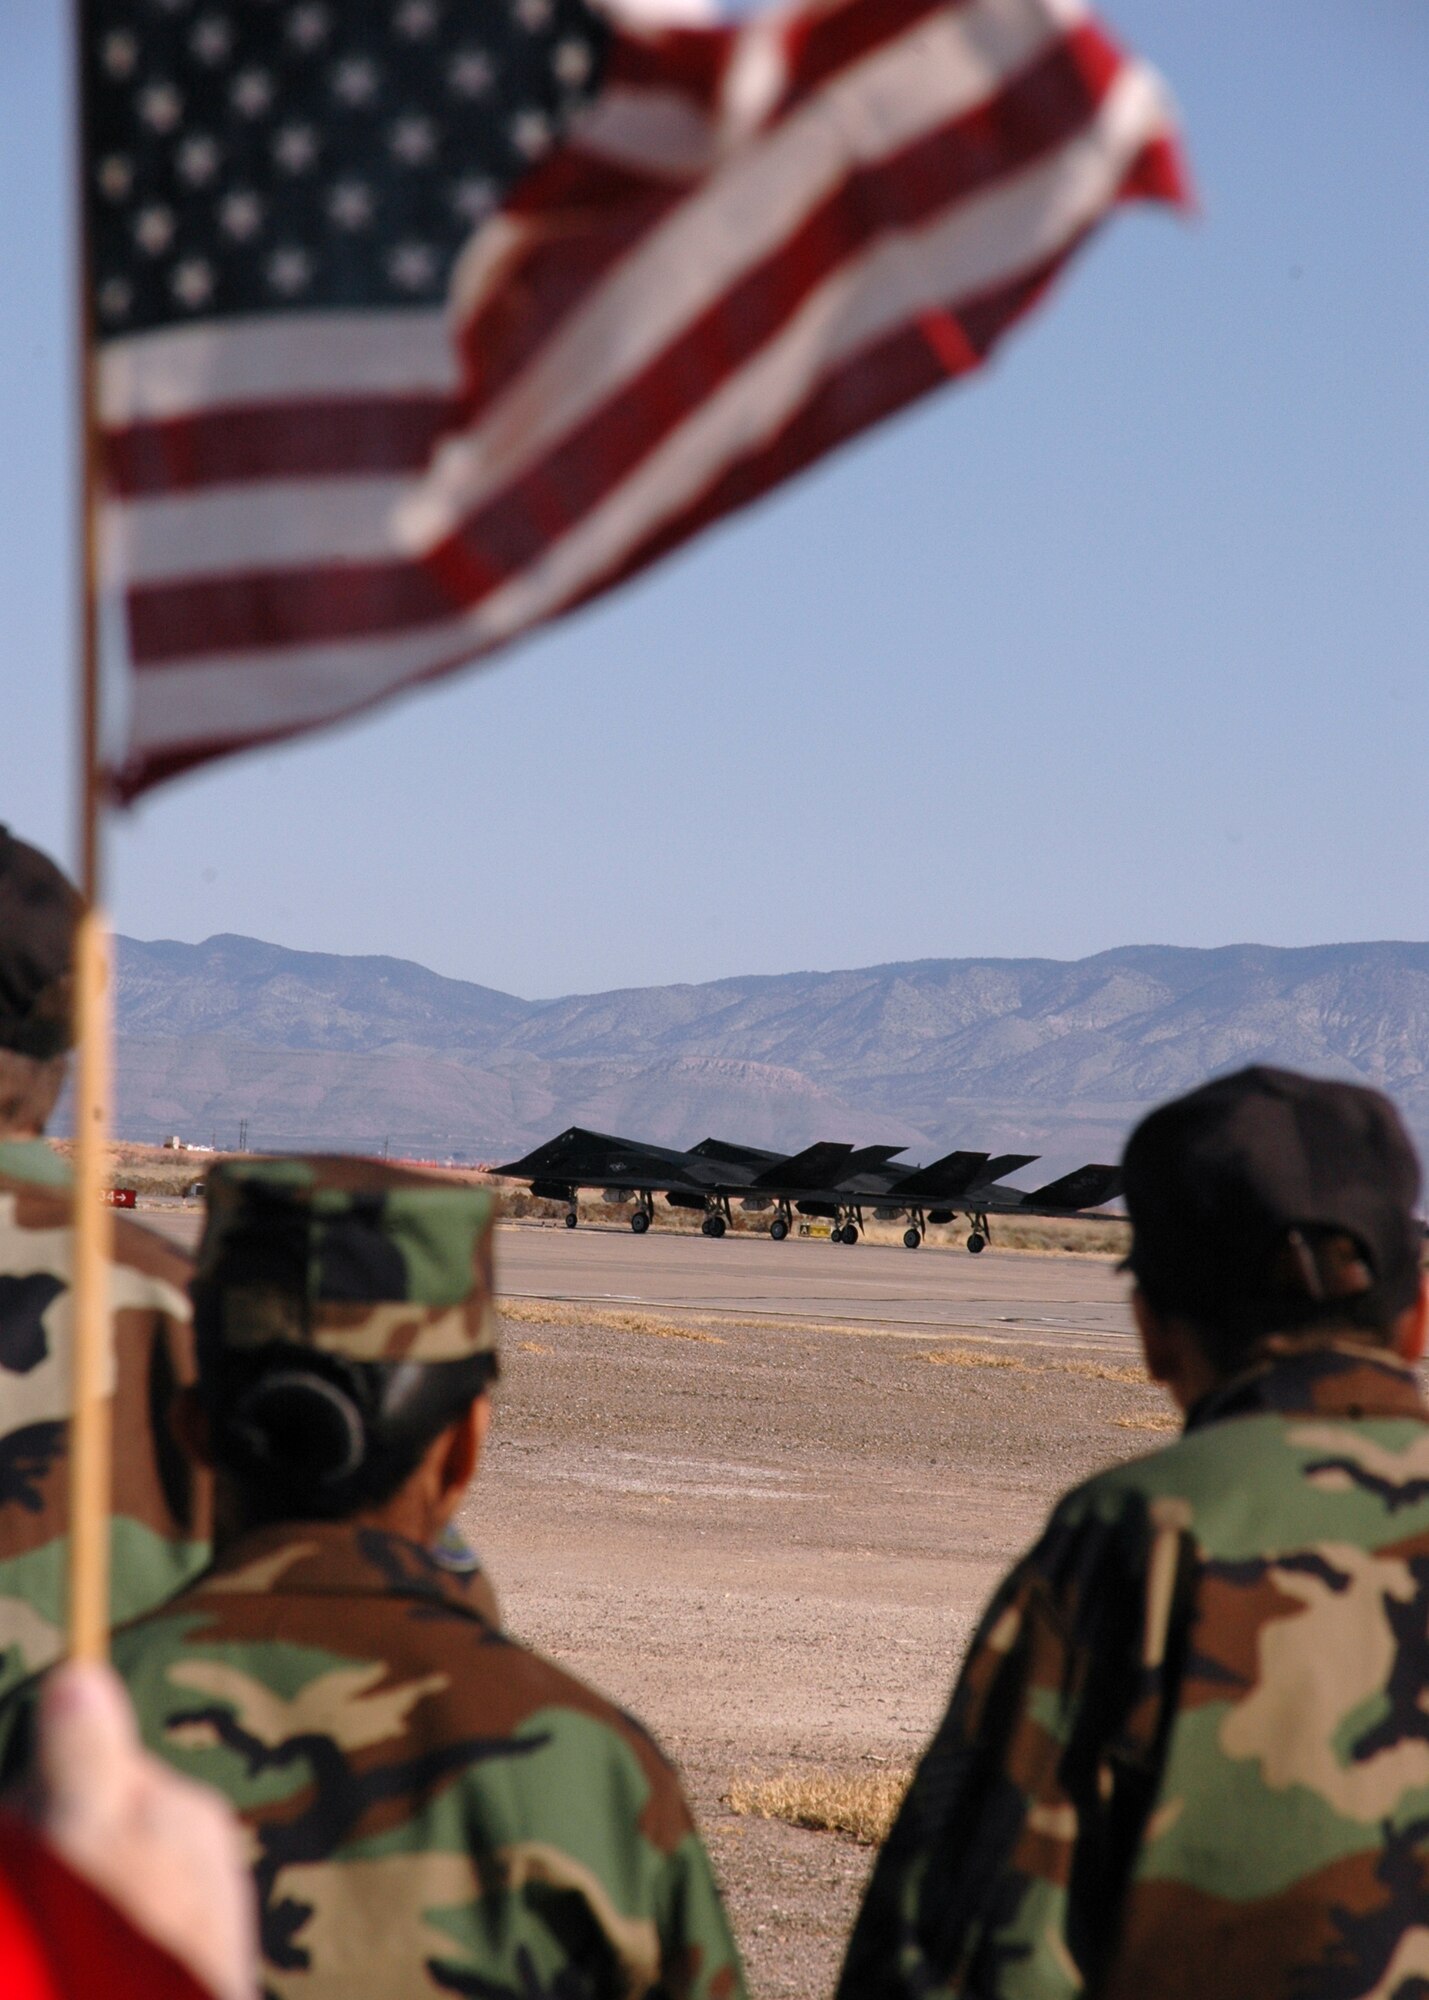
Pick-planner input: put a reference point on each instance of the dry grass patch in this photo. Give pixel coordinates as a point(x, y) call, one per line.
point(1149, 1420)
point(658, 1329)
point(971, 1357)
point(860, 1805)
point(976, 1357)
point(1103, 1371)
point(558, 1312)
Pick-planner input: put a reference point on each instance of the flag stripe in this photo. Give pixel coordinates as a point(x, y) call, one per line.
point(150, 377)
point(689, 61)
point(292, 523)
point(839, 37)
point(866, 388)
point(537, 527)
point(1030, 219)
point(920, 83)
point(278, 441)
point(634, 134)
point(1042, 110)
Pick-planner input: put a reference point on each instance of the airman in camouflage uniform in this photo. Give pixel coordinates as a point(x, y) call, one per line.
point(1188, 1756)
point(159, 1533)
point(432, 1807)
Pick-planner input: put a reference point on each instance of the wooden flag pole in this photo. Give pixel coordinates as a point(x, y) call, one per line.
point(90, 1442)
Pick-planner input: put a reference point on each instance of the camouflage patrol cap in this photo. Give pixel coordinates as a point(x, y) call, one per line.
point(349, 1257)
point(39, 911)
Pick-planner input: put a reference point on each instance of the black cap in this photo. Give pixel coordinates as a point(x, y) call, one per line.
point(39, 910)
point(1232, 1189)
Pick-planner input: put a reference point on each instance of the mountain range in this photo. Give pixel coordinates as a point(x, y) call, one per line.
point(1057, 1057)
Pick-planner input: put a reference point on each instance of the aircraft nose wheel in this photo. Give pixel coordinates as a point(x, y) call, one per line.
point(977, 1243)
point(912, 1238)
point(713, 1225)
point(570, 1218)
point(640, 1222)
point(779, 1229)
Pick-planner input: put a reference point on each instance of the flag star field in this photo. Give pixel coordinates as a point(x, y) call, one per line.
point(262, 158)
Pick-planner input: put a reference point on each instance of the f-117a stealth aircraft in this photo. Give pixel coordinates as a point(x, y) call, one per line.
point(827, 1180)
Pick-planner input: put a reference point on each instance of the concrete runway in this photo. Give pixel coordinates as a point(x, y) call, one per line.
point(1032, 1298)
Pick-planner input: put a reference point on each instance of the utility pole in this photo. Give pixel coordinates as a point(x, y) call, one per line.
point(243, 1135)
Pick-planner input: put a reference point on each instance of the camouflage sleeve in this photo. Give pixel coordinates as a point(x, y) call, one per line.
point(159, 1523)
point(161, 1503)
point(1004, 1872)
point(699, 1958)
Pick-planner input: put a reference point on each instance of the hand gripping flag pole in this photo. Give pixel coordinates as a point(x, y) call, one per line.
point(90, 1426)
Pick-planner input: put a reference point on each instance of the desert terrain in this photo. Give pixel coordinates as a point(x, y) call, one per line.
point(771, 1537)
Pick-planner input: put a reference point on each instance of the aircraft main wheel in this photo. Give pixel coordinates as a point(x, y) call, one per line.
point(779, 1229)
point(640, 1222)
point(850, 1232)
point(716, 1225)
point(977, 1243)
point(571, 1218)
point(912, 1238)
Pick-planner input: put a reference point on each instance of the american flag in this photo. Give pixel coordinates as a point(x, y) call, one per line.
point(420, 322)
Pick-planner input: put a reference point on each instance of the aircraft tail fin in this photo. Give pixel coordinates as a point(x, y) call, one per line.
point(865, 1158)
point(726, 1153)
point(1001, 1165)
point(948, 1176)
point(818, 1166)
point(559, 1152)
point(1084, 1187)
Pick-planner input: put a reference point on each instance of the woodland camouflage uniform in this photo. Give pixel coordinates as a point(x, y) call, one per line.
point(1188, 1754)
point(159, 1507)
point(433, 1808)
point(159, 1529)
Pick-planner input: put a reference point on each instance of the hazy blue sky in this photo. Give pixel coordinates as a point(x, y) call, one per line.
point(1123, 642)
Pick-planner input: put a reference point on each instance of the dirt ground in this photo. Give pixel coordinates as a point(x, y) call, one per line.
point(771, 1540)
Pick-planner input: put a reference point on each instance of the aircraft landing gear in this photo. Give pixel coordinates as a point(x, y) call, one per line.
point(640, 1222)
point(912, 1238)
point(571, 1218)
point(713, 1225)
point(778, 1229)
point(848, 1234)
point(977, 1243)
